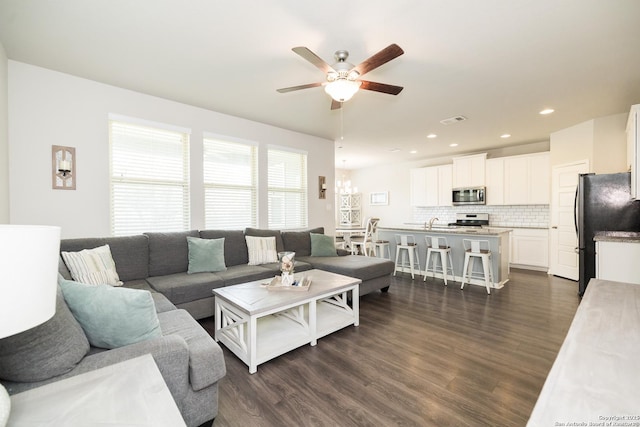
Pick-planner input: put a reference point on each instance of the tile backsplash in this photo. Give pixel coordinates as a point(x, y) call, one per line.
point(529, 216)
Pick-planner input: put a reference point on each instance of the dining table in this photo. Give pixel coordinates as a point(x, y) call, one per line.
point(348, 231)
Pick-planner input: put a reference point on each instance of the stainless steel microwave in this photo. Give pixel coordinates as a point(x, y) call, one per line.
point(469, 196)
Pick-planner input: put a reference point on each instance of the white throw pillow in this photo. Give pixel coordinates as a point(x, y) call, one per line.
point(262, 250)
point(92, 266)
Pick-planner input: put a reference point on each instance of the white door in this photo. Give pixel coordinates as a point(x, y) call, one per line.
point(563, 255)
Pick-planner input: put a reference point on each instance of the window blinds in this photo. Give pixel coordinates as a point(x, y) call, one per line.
point(149, 179)
point(230, 184)
point(287, 189)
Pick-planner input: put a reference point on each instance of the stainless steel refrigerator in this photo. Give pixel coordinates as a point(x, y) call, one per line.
point(603, 203)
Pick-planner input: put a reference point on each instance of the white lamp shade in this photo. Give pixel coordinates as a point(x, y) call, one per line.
point(29, 264)
point(342, 90)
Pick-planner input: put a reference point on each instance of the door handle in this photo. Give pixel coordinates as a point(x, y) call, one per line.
point(576, 250)
point(555, 227)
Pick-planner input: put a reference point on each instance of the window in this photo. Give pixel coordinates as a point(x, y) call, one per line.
point(230, 189)
point(287, 196)
point(149, 178)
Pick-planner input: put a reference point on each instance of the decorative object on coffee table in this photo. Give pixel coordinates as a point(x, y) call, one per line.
point(29, 298)
point(286, 267)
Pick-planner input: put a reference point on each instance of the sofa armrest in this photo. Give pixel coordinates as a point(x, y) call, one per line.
point(206, 360)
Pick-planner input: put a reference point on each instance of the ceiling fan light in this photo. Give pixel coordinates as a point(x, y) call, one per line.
point(342, 90)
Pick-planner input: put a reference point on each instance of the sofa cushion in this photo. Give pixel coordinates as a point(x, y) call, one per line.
point(299, 241)
point(205, 255)
point(92, 266)
point(46, 351)
point(247, 273)
point(112, 317)
point(130, 253)
point(361, 267)
point(262, 250)
point(168, 252)
point(235, 245)
point(182, 287)
point(322, 245)
point(259, 232)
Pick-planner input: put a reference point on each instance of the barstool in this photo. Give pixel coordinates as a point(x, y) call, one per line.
point(477, 249)
point(379, 245)
point(437, 245)
point(408, 243)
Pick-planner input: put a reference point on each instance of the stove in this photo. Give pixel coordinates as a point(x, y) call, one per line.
point(470, 220)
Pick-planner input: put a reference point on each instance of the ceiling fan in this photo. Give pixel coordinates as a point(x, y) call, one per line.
point(343, 78)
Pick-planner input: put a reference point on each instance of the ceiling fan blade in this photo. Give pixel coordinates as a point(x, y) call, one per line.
point(385, 55)
point(292, 88)
point(313, 58)
point(381, 87)
point(336, 105)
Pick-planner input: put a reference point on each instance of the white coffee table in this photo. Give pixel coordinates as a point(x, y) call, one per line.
point(258, 324)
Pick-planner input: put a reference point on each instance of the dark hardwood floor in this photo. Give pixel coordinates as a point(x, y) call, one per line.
point(423, 355)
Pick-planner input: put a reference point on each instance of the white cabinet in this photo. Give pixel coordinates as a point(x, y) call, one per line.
point(431, 186)
point(445, 185)
point(618, 261)
point(530, 248)
point(350, 210)
point(469, 171)
point(633, 150)
point(495, 181)
point(527, 179)
point(418, 187)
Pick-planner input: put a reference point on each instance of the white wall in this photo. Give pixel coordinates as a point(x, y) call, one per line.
point(50, 108)
point(602, 141)
point(4, 138)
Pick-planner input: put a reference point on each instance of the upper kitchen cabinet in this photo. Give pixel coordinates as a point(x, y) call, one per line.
point(527, 179)
point(468, 171)
point(633, 150)
point(445, 184)
point(495, 181)
point(418, 187)
point(431, 186)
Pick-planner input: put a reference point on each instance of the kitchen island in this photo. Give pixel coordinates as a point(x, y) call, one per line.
point(498, 241)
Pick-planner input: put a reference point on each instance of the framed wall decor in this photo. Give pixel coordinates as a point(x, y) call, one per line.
point(379, 198)
point(63, 165)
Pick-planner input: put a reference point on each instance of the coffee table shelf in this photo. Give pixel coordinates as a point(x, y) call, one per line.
point(258, 325)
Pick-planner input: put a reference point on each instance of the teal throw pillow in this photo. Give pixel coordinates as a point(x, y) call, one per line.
point(205, 255)
point(322, 245)
point(112, 317)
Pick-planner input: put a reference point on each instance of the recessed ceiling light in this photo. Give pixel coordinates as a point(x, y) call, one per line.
point(505, 135)
point(394, 150)
point(453, 145)
point(547, 111)
point(432, 135)
point(413, 151)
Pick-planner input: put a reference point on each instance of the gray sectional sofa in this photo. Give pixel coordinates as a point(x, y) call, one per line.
point(190, 361)
point(159, 262)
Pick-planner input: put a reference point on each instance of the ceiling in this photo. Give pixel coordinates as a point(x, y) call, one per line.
point(496, 62)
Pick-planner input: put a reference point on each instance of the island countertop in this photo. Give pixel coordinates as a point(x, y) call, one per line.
point(498, 239)
point(476, 231)
point(617, 236)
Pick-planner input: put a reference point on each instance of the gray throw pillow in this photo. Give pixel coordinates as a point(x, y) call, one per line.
point(205, 255)
point(112, 317)
point(322, 245)
point(46, 351)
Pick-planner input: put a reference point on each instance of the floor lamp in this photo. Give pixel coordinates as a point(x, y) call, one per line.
point(29, 265)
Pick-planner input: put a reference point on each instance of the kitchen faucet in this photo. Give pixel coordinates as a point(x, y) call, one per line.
point(431, 222)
